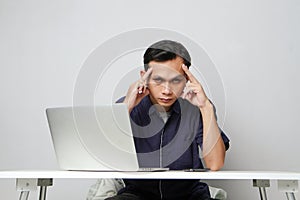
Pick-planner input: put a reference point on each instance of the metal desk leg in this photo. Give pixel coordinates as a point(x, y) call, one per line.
point(263, 193)
point(25, 185)
point(24, 195)
point(290, 196)
point(289, 187)
point(262, 184)
point(44, 183)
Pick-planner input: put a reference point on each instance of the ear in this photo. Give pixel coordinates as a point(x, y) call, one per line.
point(142, 72)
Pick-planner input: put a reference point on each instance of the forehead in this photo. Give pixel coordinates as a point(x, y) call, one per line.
point(170, 67)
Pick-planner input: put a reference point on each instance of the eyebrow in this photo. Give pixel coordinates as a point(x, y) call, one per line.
point(180, 76)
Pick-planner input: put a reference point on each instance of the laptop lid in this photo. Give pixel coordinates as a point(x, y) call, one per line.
point(93, 138)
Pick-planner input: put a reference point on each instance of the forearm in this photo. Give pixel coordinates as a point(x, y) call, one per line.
point(127, 102)
point(213, 148)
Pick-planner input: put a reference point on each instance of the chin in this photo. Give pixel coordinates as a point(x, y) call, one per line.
point(166, 106)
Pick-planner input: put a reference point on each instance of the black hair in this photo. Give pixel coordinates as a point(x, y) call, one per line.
point(165, 50)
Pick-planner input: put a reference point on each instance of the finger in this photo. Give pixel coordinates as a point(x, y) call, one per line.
point(142, 93)
point(183, 95)
point(141, 89)
point(145, 89)
point(186, 91)
point(189, 74)
point(196, 88)
point(146, 75)
point(141, 84)
point(187, 94)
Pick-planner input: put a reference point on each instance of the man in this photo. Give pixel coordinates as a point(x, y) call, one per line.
point(171, 118)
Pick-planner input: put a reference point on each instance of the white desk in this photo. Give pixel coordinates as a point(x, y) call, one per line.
point(219, 175)
point(287, 181)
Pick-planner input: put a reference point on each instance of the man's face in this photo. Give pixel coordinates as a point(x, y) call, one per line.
point(166, 82)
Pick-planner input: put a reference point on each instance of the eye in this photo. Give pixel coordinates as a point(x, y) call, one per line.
point(158, 80)
point(176, 80)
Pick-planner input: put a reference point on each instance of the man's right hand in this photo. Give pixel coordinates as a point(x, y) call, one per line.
point(137, 91)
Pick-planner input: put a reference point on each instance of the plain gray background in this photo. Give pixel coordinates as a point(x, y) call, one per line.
point(254, 45)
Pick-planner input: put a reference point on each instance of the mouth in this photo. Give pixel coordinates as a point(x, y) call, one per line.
point(165, 100)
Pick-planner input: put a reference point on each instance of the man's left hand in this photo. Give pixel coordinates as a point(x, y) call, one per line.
point(194, 92)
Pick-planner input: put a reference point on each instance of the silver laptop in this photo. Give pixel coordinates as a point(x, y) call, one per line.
point(93, 138)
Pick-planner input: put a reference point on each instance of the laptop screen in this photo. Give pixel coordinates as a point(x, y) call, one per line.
point(93, 138)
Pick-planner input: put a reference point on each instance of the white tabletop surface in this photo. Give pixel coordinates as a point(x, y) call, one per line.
point(219, 175)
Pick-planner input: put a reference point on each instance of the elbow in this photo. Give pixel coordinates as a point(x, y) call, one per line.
point(215, 160)
point(215, 166)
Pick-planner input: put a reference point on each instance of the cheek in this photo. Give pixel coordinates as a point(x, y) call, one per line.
point(182, 86)
point(179, 89)
point(153, 89)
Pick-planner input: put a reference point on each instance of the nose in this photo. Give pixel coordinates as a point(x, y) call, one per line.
point(166, 88)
